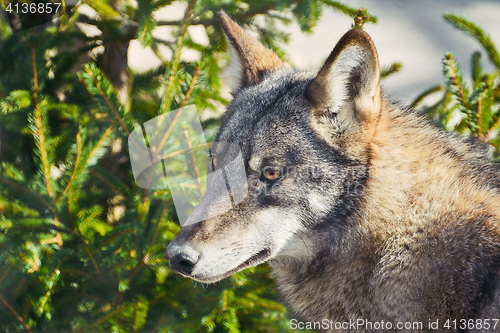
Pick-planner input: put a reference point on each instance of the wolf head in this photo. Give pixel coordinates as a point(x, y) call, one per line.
point(305, 143)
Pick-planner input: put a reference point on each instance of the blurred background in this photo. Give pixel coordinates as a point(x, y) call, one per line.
point(413, 31)
point(81, 243)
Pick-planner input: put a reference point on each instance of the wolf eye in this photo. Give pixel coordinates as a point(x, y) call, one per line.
point(213, 163)
point(272, 174)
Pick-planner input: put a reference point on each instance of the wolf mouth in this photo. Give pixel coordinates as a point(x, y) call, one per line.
point(254, 260)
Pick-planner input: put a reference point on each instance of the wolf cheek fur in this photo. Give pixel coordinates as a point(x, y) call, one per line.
point(400, 223)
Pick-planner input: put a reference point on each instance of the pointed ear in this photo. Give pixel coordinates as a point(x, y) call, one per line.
point(249, 58)
point(348, 83)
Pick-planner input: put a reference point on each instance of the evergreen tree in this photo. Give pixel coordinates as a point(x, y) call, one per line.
point(82, 244)
point(473, 108)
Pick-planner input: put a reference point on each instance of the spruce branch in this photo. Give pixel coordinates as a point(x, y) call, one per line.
point(57, 239)
point(175, 59)
point(113, 268)
point(52, 279)
point(476, 68)
point(139, 320)
point(461, 23)
point(5, 273)
point(193, 158)
point(453, 75)
point(179, 112)
point(16, 101)
point(84, 163)
point(191, 86)
point(92, 72)
point(75, 271)
point(425, 93)
point(77, 162)
point(28, 190)
point(492, 129)
point(340, 7)
point(112, 238)
point(145, 193)
point(391, 69)
point(105, 318)
point(106, 181)
point(91, 257)
point(11, 309)
point(479, 111)
point(39, 133)
point(153, 240)
point(179, 152)
point(88, 70)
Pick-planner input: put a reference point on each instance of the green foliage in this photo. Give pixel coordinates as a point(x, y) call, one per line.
point(460, 22)
point(391, 69)
point(468, 108)
point(82, 244)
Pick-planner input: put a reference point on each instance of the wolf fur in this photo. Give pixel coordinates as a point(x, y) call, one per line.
point(375, 215)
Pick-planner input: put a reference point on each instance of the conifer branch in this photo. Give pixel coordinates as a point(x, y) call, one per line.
point(191, 86)
point(455, 78)
point(57, 239)
point(137, 269)
point(426, 93)
point(224, 299)
point(19, 287)
point(95, 81)
point(4, 301)
point(5, 273)
point(76, 271)
point(179, 152)
point(155, 235)
point(110, 239)
point(145, 192)
point(391, 69)
point(179, 112)
point(28, 190)
point(78, 156)
point(460, 22)
point(176, 56)
point(118, 265)
point(47, 294)
point(168, 297)
point(479, 111)
point(104, 180)
point(38, 122)
point(106, 99)
point(92, 258)
point(153, 240)
point(77, 162)
point(193, 158)
point(490, 131)
point(136, 318)
point(103, 319)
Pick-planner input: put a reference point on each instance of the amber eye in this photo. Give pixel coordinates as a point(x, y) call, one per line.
point(272, 174)
point(214, 163)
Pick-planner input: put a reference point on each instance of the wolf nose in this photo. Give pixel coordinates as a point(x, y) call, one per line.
point(182, 258)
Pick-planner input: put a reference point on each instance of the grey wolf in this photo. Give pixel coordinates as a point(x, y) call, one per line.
point(361, 208)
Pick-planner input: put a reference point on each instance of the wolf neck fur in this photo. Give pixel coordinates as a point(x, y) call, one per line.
point(342, 274)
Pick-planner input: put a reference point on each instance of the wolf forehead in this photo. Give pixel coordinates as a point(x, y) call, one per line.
point(275, 102)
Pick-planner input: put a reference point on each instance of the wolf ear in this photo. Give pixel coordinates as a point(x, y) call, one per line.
point(348, 83)
point(249, 58)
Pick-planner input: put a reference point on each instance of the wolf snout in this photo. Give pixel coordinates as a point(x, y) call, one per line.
point(182, 258)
